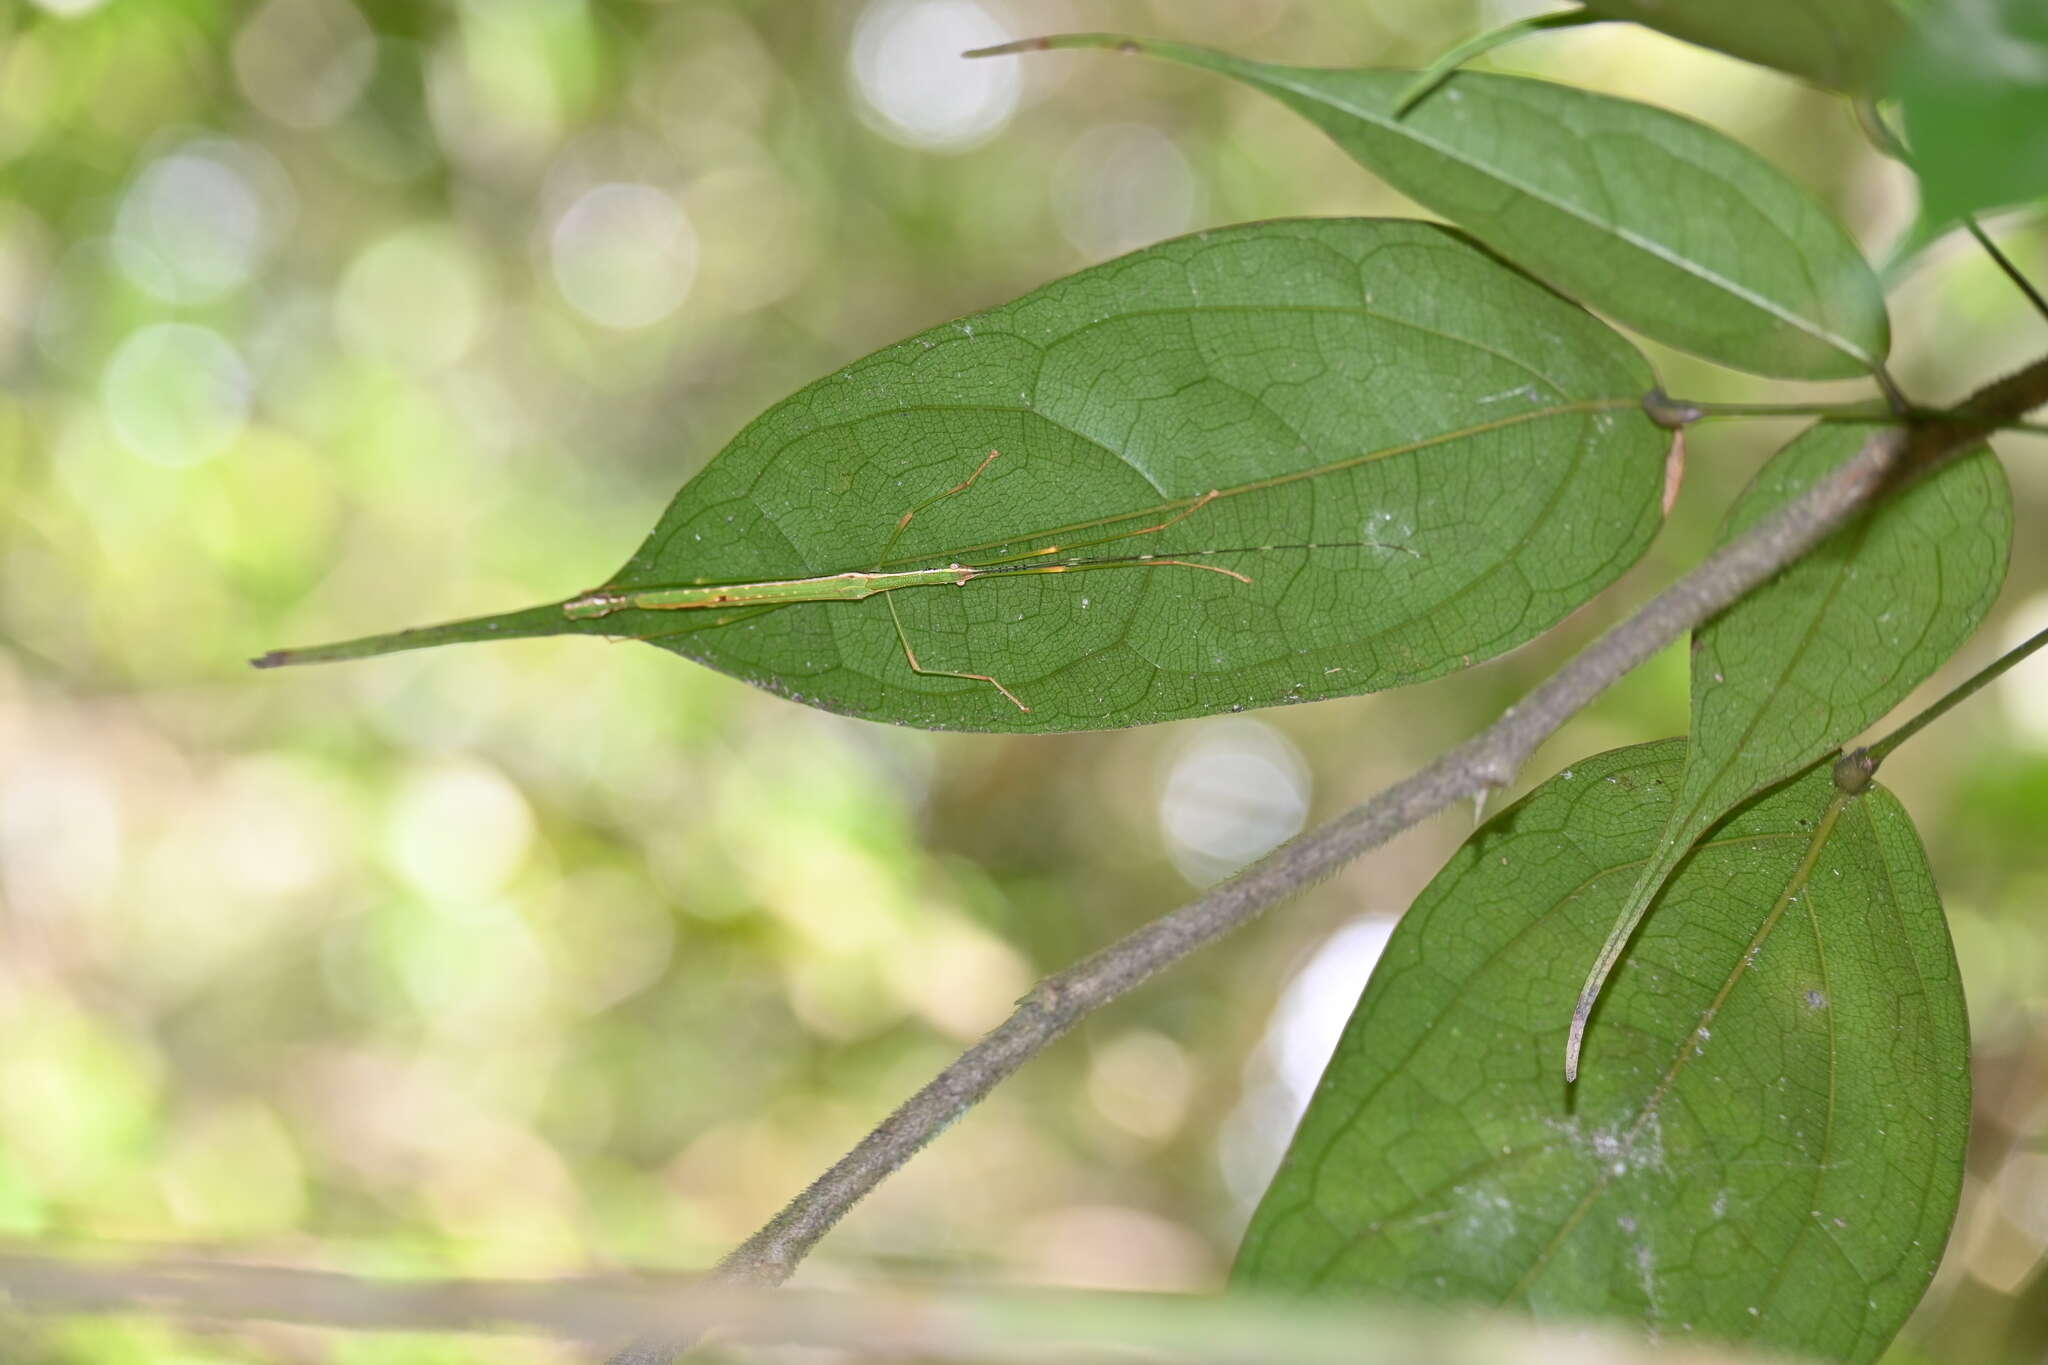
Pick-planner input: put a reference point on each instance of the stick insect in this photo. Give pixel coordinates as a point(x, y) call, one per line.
point(858, 585)
point(736, 601)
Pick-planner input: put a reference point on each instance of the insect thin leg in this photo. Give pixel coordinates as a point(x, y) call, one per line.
point(1182, 515)
point(1135, 562)
point(1178, 517)
point(903, 522)
point(910, 655)
point(1190, 564)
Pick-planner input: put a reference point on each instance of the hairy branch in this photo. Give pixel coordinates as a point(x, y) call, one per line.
point(1489, 760)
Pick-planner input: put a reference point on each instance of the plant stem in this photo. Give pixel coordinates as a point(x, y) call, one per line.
point(2005, 263)
point(1960, 693)
point(1682, 412)
point(1827, 412)
point(1892, 457)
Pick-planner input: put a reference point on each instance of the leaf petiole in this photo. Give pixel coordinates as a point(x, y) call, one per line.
point(1676, 413)
point(1855, 769)
point(1667, 411)
point(2007, 264)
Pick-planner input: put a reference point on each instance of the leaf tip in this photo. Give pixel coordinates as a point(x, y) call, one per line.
point(1009, 49)
point(1113, 41)
point(276, 658)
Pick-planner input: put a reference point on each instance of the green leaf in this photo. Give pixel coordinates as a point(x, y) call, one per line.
point(1824, 650)
point(1465, 450)
point(1973, 84)
point(1767, 1144)
point(1662, 223)
point(1845, 44)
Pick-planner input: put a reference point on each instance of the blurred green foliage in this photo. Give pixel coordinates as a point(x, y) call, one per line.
point(318, 313)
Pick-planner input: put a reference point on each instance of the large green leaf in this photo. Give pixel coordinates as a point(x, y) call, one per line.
point(1846, 44)
point(1662, 223)
point(1420, 458)
point(1973, 84)
point(1767, 1144)
point(1821, 652)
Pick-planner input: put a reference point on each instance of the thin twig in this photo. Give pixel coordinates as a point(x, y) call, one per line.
point(1487, 761)
point(1956, 696)
point(2007, 264)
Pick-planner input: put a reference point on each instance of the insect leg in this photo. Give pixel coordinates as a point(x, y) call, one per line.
point(1130, 562)
point(903, 522)
point(1197, 505)
point(910, 655)
point(1178, 517)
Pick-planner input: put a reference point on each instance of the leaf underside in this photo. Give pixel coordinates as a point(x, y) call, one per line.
point(1827, 648)
point(1842, 44)
point(1465, 449)
point(1821, 652)
point(1660, 222)
point(1766, 1144)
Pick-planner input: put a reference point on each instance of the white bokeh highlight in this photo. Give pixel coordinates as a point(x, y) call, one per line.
point(417, 299)
point(1288, 1064)
point(915, 87)
point(624, 255)
point(1237, 790)
point(304, 63)
point(192, 227)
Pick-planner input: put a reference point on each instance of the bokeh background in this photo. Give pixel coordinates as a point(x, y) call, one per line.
point(321, 317)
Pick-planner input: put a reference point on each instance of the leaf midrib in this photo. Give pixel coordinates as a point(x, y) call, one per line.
point(1801, 876)
point(1705, 797)
point(1648, 246)
point(1397, 1066)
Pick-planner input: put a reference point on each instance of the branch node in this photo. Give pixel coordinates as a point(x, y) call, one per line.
point(1672, 414)
point(1854, 772)
point(1046, 997)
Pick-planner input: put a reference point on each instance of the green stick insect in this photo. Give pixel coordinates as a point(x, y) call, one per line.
point(857, 586)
